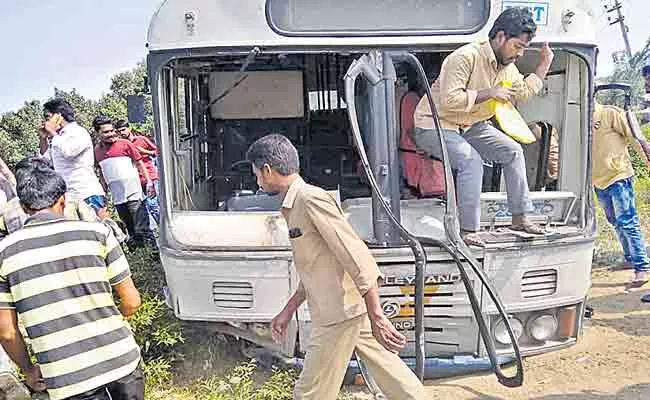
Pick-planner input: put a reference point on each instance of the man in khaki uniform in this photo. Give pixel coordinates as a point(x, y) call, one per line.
point(338, 278)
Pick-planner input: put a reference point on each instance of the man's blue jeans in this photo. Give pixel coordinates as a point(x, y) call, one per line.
point(153, 208)
point(618, 202)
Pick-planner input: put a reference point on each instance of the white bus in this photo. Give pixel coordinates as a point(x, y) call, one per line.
point(226, 72)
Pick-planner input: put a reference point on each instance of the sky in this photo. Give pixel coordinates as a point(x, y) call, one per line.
point(82, 43)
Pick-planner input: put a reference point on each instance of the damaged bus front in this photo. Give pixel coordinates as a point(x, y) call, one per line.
point(224, 73)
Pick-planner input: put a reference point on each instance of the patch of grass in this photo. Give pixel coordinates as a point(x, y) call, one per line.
point(156, 330)
point(201, 361)
point(236, 384)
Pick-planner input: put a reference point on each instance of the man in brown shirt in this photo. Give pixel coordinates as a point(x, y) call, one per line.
point(339, 279)
point(470, 76)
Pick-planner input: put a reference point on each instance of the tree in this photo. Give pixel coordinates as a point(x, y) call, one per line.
point(113, 106)
point(124, 84)
point(129, 82)
point(19, 132)
point(19, 129)
point(628, 73)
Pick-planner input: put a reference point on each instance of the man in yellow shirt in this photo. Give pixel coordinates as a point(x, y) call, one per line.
point(339, 279)
point(469, 77)
point(612, 174)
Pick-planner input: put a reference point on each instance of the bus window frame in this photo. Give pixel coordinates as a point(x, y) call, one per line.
point(375, 33)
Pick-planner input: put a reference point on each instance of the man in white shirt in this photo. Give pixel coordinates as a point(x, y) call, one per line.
point(68, 146)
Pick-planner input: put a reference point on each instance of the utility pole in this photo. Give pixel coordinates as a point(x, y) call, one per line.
point(620, 19)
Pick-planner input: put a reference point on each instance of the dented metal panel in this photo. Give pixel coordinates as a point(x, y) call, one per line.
point(224, 229)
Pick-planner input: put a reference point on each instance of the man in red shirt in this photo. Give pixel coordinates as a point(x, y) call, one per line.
point(149, 151)
point(117, 158)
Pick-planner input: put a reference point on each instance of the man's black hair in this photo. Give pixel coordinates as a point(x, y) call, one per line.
point(121, 124)
point(515, 22)
point(101, 120)
point(277, 152)
point(25, 166)
point(37, 185)
point(60, 106)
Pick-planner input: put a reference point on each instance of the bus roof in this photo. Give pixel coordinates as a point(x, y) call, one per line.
point(189, 24)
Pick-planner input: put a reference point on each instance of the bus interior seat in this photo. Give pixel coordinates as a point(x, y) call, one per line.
point(424, 176)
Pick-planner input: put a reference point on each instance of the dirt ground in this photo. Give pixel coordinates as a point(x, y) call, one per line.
point(611, 361)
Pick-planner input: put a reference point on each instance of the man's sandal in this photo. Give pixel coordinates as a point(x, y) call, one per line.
point(639, 281)
point(636, 284)
point(472, 239)
point(529, 228)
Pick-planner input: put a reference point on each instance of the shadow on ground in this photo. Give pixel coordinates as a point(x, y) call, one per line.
point(618, 303)
point(638, 391)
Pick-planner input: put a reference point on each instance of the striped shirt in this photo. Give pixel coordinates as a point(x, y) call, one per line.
point(57, 274)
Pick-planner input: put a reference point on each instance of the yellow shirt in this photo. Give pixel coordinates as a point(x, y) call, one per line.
point(335, 266)
point(464, 72)
point(610, 157)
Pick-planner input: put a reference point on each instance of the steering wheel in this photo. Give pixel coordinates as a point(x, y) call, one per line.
point(242, 167)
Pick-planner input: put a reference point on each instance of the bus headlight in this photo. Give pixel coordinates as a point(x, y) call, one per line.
point(543, 327)
point(500, 332)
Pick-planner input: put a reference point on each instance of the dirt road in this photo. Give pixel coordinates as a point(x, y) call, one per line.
point(612, 361)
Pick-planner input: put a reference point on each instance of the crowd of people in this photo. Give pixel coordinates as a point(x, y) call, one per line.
point(123, 159)
point(61, 259)
point(66, 259)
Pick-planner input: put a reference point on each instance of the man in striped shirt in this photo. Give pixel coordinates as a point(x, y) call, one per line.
point(58, 276)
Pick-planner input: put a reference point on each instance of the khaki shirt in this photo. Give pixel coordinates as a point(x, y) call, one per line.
point(335, 266)
point(610, 157)
point(464, 72)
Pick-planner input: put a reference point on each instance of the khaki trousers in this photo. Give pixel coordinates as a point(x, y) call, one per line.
point(329, 352)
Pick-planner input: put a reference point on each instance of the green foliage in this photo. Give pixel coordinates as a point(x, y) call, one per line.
point(156, 330)
point(239, 383)
point(126, 84)
point(19, 129)
point(628, 73)
point(641, 171)
point(275, 388)
point(130, 82)
point(19, 132)
point(157, 372)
